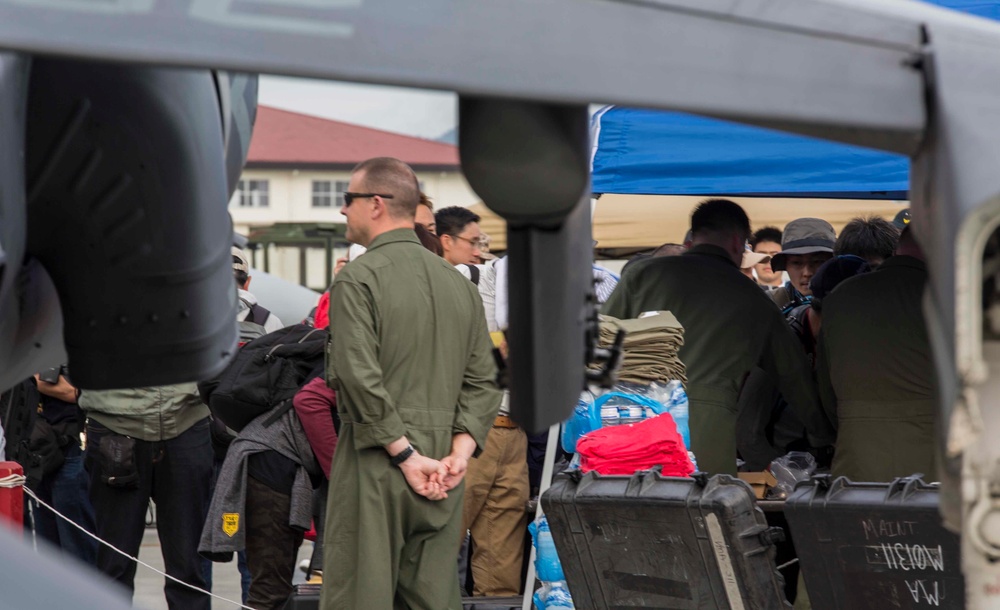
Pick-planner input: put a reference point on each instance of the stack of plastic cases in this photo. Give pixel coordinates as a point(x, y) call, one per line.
point(870, 546)
point(304, 597)
point(652, 541)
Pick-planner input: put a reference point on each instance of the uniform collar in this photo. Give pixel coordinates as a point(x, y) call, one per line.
point(901, 260)
point(394, 236)
point(712, 251)
point(797, 298)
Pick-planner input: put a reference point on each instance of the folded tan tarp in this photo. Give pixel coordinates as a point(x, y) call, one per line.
point(649, 350)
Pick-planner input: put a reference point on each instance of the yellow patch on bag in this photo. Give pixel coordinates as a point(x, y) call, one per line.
point(230, 523)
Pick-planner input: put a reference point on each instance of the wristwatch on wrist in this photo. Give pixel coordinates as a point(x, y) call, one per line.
point(402, 456)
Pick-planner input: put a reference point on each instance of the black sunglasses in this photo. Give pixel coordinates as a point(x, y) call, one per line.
point(350, 197)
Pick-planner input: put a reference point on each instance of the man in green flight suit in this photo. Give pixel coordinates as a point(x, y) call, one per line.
point(410, 358)
point(730, 326)
point(876, 371)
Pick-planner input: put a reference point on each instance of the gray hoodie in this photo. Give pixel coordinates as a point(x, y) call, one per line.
point(225, 526)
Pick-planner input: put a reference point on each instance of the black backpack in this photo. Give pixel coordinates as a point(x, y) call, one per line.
point(265, 372)
point(34, 443)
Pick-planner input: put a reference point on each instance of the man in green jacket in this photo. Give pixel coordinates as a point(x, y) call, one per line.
point(147, 443)
point(730, 326)
point(410, 358)
point(876, 372)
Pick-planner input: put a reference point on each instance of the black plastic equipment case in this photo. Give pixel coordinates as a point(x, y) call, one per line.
point(304, 597)
point(871, 546)
point(663, 542)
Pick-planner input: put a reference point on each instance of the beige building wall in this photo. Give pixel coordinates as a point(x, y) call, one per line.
point(290, 200)
point(290, 195)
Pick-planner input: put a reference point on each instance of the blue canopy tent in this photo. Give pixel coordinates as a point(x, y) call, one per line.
point(646, 152)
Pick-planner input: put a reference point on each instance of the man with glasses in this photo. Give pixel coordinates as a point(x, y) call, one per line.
point(412, 414)
point(460, 235)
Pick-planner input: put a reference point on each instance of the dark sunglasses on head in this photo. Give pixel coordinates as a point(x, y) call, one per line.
point(350, 197)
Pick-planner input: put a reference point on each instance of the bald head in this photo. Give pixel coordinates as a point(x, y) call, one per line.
point(389, 176)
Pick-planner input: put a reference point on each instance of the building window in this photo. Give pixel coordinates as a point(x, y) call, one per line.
point(253, 193)
point(341, 188)
point(322, 196)
point(328, 193)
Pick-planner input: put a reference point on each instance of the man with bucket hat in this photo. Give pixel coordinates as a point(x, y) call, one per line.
point(806, 244)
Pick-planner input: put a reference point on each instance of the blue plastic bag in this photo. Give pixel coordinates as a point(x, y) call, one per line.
point(547, 566)
point(587, 415)
point(585, 419)
point(679, 411)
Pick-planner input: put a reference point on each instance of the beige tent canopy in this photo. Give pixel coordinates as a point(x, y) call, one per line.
point(646, 221)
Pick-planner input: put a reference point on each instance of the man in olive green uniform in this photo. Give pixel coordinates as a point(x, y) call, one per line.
point(410, 358)
point(875, 370)
point(730, 326)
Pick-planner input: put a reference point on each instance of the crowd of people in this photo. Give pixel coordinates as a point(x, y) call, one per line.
point(400, 448)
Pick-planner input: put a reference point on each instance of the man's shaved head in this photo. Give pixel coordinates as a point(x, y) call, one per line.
point(389, 176)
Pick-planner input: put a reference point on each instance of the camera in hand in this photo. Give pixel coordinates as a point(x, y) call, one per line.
point(50, 375)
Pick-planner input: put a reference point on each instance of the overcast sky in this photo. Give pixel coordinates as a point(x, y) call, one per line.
point(415, 112)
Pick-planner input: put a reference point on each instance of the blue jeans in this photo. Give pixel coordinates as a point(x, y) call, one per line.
point(241, 565)
point(66, 491)
point(177, 475)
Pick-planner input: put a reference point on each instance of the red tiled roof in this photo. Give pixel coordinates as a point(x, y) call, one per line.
point(289, 138)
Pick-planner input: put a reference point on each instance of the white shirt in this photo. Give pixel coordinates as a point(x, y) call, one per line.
point(247, 300)
point(487, 290)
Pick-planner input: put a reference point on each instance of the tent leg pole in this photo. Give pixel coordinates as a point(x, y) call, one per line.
point(547, 467)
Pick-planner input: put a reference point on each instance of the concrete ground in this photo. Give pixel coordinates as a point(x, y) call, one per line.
point(225, 576)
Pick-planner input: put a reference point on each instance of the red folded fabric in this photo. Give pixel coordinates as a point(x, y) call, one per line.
point(630, 448)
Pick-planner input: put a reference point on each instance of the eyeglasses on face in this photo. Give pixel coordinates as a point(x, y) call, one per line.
point(479, 242)
point(350, 197)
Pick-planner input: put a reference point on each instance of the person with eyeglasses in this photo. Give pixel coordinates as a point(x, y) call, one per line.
point(461, 237)
point(412, 414)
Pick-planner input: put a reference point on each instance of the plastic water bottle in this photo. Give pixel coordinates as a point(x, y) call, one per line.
point(631, 414)
point(679, 411)
point(541, 596)
point(553, 596)
point(547, 565)
point(558, 597)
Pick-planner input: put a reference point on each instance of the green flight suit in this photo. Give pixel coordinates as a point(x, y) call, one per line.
point(876, 373)
point(409, 355)
point(730, 326)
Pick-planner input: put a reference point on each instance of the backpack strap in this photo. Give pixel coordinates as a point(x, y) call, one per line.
point(258, 314)
point(286, 406)
point(473, 273)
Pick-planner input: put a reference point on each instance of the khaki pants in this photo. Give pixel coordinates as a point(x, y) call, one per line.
point(496, 491)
